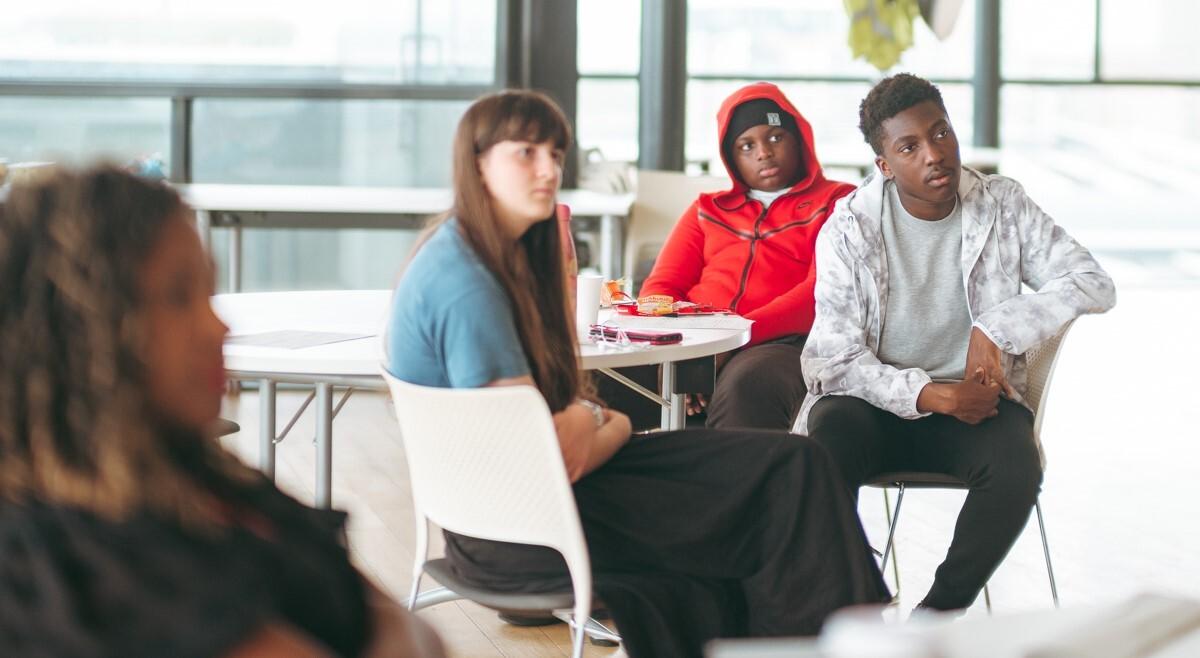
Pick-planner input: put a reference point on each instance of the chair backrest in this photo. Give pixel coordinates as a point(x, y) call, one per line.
point(486, 463)
point(1040, 362)
point(661, 198)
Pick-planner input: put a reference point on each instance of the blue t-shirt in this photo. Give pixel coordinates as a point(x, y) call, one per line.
point(451, 323)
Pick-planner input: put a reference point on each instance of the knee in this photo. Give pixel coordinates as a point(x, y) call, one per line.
point(754, 387)
point(841, 419)
point(1017, 473)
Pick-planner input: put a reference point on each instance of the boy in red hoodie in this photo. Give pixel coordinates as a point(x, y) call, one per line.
point(750, 249)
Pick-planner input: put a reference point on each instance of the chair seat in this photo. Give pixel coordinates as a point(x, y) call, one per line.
point(519, 601)
point(917, 480)
point(224, 427)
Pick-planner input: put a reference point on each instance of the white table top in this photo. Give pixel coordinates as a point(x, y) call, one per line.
point(367, 200)
point(365, 311)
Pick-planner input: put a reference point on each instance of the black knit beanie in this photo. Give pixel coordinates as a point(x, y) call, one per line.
point(757, 112)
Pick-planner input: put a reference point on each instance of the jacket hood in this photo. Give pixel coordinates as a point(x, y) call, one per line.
point(867, 200)
point(812, 167)
point(860, 213)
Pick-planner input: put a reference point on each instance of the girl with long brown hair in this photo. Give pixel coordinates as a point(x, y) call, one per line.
point(693, 534)
point(125, 528)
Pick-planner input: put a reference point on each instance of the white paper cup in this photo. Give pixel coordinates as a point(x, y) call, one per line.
point(587, 301)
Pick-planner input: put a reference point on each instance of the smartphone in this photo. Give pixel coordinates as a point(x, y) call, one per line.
point(639, 335)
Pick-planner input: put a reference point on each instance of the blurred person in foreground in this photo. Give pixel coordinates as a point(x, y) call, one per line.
point(125, 528)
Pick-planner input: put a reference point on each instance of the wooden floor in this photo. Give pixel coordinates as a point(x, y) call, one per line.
point(1120, 436)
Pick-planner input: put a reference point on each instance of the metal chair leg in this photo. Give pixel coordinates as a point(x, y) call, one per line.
point(892, 530)
point(987, 598)
point(887, 509)
point(432, 597)
point(577, 636)
point(598, 633)
point(1046, 550)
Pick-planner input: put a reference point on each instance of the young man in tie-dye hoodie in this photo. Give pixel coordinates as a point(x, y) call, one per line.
point(915, 359)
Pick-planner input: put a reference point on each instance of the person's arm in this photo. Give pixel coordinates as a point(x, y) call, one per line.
point(585, 446)
point(397, 632)
point(792, 312)
point(836, 359)
point(678, 266)
point(278, 640)
point(1067, 280)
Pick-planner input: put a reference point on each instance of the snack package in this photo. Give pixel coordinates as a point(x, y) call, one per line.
point(613, 292)
point(655, 305)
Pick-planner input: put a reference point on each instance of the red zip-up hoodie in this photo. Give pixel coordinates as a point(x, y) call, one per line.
point(729, 251)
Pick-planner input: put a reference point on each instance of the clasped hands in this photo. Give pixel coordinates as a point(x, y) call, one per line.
point(977, 397)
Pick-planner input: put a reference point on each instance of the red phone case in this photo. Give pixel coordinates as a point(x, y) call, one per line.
point(640, 335)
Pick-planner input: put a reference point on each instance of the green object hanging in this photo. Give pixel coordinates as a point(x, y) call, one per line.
point(880, 30)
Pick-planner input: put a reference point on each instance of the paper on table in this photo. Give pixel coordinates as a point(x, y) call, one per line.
point(681, 322)
point(292, 339)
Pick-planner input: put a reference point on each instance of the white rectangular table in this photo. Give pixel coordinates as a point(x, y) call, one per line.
point(312, 206)
point(354, 364)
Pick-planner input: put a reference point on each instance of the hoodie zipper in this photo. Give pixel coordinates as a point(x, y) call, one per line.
point(749, 260)
point(754, 238)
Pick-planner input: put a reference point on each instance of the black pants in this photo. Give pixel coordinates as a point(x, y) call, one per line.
point(698, 534)
point(760, 387)
point(998, 459)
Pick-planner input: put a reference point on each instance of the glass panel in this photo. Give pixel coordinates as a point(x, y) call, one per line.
point(768, 38)
point(400, 41)
point(1111, 115)
point(1084, 150)
point(1047, 39)
point(610, 36)
point(294, 142)
point(831, 108)
point(77, 130)
point(315, 259)
point(608, 118)
point(1149, 40)
point(324, 142)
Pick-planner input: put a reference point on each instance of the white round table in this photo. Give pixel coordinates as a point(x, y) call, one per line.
point(354, 363)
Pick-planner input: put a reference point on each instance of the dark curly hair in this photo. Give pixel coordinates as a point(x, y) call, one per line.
point(75, 417)
point(890, 97)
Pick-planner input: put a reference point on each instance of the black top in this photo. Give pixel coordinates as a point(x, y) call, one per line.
point(74, 584)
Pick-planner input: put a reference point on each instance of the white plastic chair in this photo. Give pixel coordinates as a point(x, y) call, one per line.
point(486, 463)
point(661, 198)
point(1040, 362)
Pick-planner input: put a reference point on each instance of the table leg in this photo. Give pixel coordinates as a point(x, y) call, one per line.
point(673, 417)
point(266, 427)
point(235, 258)
point(611, 251)
point(204, 228)
point(324, 445)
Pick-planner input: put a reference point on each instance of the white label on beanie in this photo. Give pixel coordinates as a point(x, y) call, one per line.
point(773, 119)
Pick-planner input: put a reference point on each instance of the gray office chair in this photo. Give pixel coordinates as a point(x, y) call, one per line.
point(1040, 361)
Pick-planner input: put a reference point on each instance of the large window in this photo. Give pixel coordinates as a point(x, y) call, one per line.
point(802, 46)
point(404, 41)
point(610, 48)
point(1149, 40)
point(73, 129)
point(324, 142)
point(358, 92)
point(768, 39)
point(1047, 40)
point(278, 91)
point(1102, 108)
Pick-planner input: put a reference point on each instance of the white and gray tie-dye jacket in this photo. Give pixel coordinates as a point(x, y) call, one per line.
point(1007, 240)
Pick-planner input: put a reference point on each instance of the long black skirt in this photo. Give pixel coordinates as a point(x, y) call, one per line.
point(699, 534)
